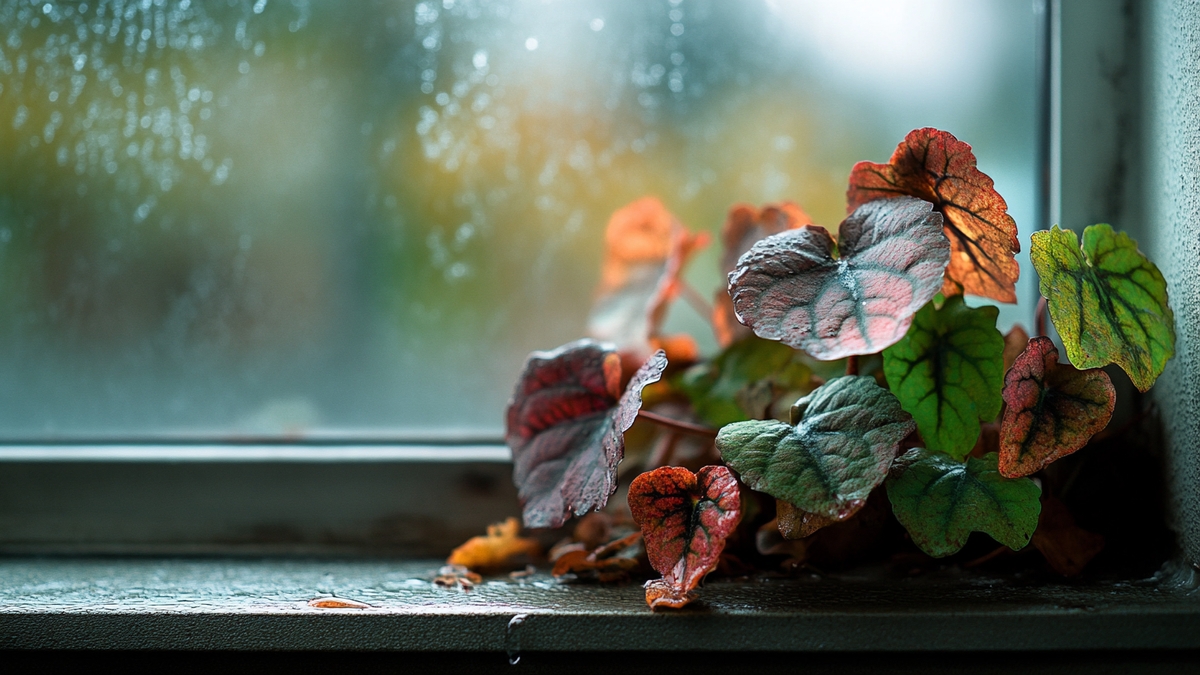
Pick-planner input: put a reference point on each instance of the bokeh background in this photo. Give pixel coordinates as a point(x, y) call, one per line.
point(230, 218)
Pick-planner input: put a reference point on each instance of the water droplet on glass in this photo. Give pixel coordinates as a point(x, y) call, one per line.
point(531, 43)
point(597, 25)
point(512, 639)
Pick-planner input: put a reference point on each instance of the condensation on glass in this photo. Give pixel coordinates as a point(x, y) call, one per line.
point(296, 219)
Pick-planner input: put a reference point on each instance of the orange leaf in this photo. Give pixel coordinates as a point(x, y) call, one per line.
point(500, 549)
point(744, 226)
point(603, 564)
point(935, 166)
point(337, 603)
point(646, 249)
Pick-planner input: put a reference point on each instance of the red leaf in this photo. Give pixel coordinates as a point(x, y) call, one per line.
point(935, 166)
point(744, 226)
point(566, 425)
point(646, 249)
point(790, 288)
point(685, 519)
point(1052, 409)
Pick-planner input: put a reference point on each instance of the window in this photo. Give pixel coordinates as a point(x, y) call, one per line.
point(320, 220)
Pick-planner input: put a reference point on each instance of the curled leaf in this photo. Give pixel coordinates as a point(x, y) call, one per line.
point(935, 166)
point(744, 226)
point(501, 549)
point(605, 564)
point(1108, 302)
point(1015, 341)
point(337, 603)
point(685, 519)
point(565, 426)
point(1053, 409)
point(457, 576)
point(646, 249)
point(790, 288)
point(941, 501)
point(838, 448)
point(796, 523)
point(723, 390)
point(948, 372)
point(1067, 547)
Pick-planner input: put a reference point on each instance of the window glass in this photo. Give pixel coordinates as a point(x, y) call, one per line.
point(294, 218)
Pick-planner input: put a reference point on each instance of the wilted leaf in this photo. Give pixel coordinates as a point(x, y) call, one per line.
point(715, 388)
point(1067, 547)
point(744, 226)
point(500, 549)
point(685, 519)
point(796, 523)
point(646, 249)
point(948, 372)
point(839, 446)
point(1108, 302)
point(935, 166)
point(565, 426)
point(1015, 341)
point(790, 288)
point(1053, 409)
point(941, 501)
point(457, 576)
point(337, 603)
point(606, 563)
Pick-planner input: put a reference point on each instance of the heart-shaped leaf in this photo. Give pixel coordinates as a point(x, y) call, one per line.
point(565, 425)
point(1108, 302)
point(790, 288)
point(941, 501)
point(646, 249)
point(719, 388)
point(685, 519)
point(935, 166)
point(1052, 409)
point(948, 372)
point(744, 226)
point(839, 446)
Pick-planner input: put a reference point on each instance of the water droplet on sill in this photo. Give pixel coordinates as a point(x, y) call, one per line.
point(512, 639)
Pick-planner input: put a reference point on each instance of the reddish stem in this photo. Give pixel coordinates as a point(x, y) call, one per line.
point(690, 295)
point(1039, 316)
point(852, 365)
point(678, 425)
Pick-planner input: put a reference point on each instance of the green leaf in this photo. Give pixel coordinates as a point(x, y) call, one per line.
point(948, 372)
point(718, 389)
point(941, 501)
point(1108, 302)
point(838, 448)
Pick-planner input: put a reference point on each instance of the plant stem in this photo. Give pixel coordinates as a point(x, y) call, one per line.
point(678, 425)
point(1039, 316)
point(697, 301)
point(852, 365)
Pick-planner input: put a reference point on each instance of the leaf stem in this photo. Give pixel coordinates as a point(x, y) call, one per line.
point(692, 297)
point(852, 365)
point(678, 425)
point(1039, 316)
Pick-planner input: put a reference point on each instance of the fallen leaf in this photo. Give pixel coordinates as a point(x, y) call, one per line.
point(529, 571)
point(790, 288)
point(838, 447)
point(721, 389)
point(940, 501)
point(565, 426)
point(593, 529)
point(935, 166)
point(337, 603)
point(1015, 341)
point(1067, 547)
point(457, 576)
point(685, 519)
point(500, 550)
point(1052, 409)
point(646, 249)
point(744, 226)
point(948, 372)
point(603, 564)
point(1108, 302)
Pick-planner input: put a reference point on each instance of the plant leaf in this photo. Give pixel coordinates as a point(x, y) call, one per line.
point(796, 523)
point(685, 519)
point(1067, 547)
point(941, 501)
point(948, 372)
point(646, 249)
point(1052, 409)
point(500, 550)
point(718, 388)
point(839, 447)
point(1108, 302)
point(744, 226)
point(565, 426)
point(935, 166)
point(789, 287)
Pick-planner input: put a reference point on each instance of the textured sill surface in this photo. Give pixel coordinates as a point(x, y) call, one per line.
point(197, 604)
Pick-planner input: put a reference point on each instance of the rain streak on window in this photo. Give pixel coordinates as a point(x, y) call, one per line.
point(283, 217)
